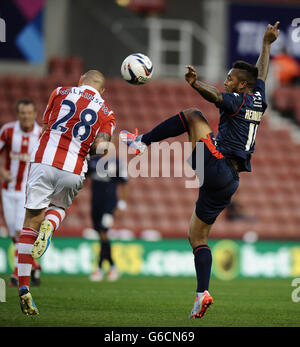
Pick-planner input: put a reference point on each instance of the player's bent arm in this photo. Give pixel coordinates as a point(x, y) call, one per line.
point(101, 143)
point(209, 93)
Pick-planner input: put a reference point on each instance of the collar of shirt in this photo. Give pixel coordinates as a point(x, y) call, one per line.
point(86, 86)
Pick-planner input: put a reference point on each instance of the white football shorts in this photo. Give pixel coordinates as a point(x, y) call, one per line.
point(48, 185)
point(13, 209)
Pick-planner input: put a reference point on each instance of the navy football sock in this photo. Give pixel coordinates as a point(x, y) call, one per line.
point(203, 261)
point(173, 126)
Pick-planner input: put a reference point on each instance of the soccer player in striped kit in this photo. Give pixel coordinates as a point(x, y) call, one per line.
point(76, 122)
point(241, 109)
point(17, 140)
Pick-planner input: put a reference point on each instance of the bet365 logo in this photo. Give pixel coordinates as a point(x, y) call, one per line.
point(2, 30)
point(296, 31)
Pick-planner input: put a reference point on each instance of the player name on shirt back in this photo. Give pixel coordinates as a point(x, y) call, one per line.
point(84, 94)
point(253, 115)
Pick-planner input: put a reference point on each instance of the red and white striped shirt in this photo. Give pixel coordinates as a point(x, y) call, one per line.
point(75, 115)
point(18, 146)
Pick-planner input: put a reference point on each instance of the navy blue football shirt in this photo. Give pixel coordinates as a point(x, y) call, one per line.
point(241, 114)
point(105, 179)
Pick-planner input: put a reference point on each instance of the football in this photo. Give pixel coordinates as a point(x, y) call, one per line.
point(137, 69)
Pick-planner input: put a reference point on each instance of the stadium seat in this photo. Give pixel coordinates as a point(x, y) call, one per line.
point(282, 98)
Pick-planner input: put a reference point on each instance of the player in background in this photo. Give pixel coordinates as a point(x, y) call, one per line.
point(76, 122)
point(109, 190)
point(241, 109)
point(17, 140)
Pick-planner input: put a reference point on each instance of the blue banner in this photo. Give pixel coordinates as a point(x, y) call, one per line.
point(247, 24)
point(22, 31)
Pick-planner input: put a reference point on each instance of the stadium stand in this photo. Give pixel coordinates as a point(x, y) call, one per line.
point(270, 195)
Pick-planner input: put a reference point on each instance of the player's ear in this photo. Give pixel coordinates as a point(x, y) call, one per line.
point(242, 85)
point(102, 90)
point(80, 82)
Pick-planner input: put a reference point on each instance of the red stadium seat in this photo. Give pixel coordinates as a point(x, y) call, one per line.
point(282, 98)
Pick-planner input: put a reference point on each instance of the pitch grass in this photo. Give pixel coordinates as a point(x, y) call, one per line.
point(153, 302)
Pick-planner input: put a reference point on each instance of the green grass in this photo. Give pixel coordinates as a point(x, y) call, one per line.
point(153, 302)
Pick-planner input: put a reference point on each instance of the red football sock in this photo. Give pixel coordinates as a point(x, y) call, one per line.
point(55, 215)
point(25, 260)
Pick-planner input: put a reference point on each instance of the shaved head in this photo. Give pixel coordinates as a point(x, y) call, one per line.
point(93, 78)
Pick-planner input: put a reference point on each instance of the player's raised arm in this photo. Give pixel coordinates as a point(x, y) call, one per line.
point(209, 93)
point(270, 35)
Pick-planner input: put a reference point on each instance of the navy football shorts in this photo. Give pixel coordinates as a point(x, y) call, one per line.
point(221, 180)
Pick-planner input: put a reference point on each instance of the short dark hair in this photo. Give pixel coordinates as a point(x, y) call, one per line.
point(249, 72)
point(25, 101)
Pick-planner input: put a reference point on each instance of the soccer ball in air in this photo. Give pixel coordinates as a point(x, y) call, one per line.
point(137, 69)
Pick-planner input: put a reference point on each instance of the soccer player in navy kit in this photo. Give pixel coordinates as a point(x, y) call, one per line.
point(105, 201)
point(241, 109)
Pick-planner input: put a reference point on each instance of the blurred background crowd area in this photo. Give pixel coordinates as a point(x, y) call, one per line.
point(45, 44)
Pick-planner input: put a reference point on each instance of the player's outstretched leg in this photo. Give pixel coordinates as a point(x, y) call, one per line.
point(190, 120)
point(173, 126)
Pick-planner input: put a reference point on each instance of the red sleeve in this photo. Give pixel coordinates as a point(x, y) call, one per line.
point(108, 122)
point(109, 125)
point(49, 107)
point(3, 138)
